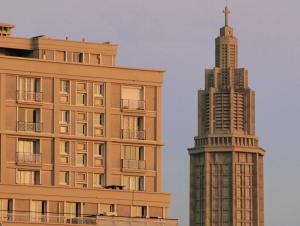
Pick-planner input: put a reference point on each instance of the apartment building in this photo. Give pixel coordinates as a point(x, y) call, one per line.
point(81, 137)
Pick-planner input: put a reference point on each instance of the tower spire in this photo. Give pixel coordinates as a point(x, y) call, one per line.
point(226, 12)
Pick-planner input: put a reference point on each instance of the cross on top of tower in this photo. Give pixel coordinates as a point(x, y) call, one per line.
point(226, 12)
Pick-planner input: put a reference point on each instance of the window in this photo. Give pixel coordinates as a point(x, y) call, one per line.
point(81, 159)
point(6, 208)
point(99, 180)
point(98, 94)
point(135, 183)
point(72, 210)
point(99, 89)
point(99, 151)
point(133, 152)
point(29, 120)
point(81, 180)
point(64, 121)
point(133, 97)
point(133, 127)
point(28, 150)
point(98, 124)
point(64, 152)
point(38, 210)
point(27, 177)
point(64, 178)
point(139, 211)
point(81, 155)
point(78, 57)
point(29, 89)
point(81, 125)
point(107, 208)
point(81, 94)
point(64, 91)
point(65, 86)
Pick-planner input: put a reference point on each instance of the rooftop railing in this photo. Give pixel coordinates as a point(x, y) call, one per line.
point(55, 219)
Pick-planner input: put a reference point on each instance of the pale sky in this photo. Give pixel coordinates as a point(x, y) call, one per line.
point(178, 36)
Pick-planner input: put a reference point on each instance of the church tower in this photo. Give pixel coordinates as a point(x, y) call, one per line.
point(226, 164)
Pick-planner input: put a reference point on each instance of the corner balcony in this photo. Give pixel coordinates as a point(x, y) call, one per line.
point(28, 96)
point(29, 126)
point(31, 219)
point(133, 164)
point(30, 158)
point(128, 104)
point(133, 134)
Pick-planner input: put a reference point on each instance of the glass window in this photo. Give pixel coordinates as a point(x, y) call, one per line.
point(135, 183)
point(81, 129)
point(81, 159)
point(64, 147)
point(99, 149)
point(64, 178)
point(138, 211)
point(99, 180)
point(64, 117)
point(105, 208)
point(65, 86)
point(73, 209)
point(99, 119)
point(99, 89)
point(81, 98)
point(27, 177)
point(78, 57)
point(133, 152)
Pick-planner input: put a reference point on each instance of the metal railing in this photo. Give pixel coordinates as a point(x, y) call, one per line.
point(29, 126)
point(133, 104)
point(133, 164)
point(133, 134)
point(29, 96)
point(44, 218)
point(23, 157)
point(56, 219)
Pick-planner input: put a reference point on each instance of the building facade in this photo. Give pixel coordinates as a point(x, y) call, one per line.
point(226, 164)
point(81, 137)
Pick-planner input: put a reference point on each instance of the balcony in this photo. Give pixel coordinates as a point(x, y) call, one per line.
point(29, 126)
point(28, 96)
point(133, 164)
point(23, 157)
point(17, 218)
point(133, 134)
point(132, 104)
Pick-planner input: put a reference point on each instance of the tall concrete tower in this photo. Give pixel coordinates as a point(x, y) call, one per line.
point(226, 164)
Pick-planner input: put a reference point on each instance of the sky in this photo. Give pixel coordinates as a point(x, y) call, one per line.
point(178, 36)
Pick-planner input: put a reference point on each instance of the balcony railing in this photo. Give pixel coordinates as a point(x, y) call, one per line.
point(55, 219)
point(133, 104)
point(29, 126)
point(133, 164)
point(23, 157)
point(29, 96)
point(133, 134)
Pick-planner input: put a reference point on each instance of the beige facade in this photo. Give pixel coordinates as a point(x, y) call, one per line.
point(80, 137)
point(226, 164)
